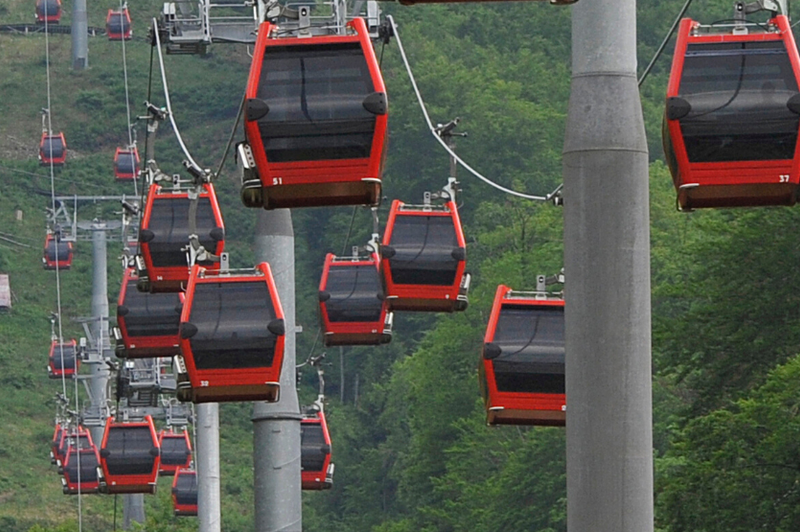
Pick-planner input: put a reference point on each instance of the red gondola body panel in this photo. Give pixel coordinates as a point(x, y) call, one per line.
point(70, 436)
point(731, 123)
point(232, 336)
point(424, 258)
point(52, 150)
point(129, 457)
point(176, 452)
point(63, 360)
point(57, 253)
point(322, 138)
point(528, 389)
point(55, 443)
point(80, 473)
point(118, 25)
point(48, 11)
point(126, 164)
point(184, 493)
point(148, 323)
point(352, 305)
point(165, 230)
point(315, 444)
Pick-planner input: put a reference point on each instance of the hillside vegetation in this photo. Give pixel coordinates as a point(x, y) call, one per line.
point(411, 448)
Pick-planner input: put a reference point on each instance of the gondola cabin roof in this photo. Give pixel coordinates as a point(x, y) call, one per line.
point(52, 149)
point(126, 164)
point(232, 335)
point(129, 457)
point(147, 323)
point(315, 120)
point(118, 25)
point(57, 253)
point(184, 493)
point(165, 232)
point(48, 11)
point(63, 359)
point(352, 304)
point(80, 471)
point(522, 370)
point(423, 258)
point(732, 116)
point(176, 451)
point(315, 457)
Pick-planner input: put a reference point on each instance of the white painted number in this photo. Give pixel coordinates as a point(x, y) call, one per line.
point(279, 180)
point(203, 383)
point(783, 178)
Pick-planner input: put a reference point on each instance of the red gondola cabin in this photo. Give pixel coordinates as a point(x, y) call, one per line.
point(48, 11)
point(126, 164)
point(176, 451)
point(423, 257)
point(352, 304)
point(232, 336)
point(129, 457)
point(57, 253)
point(315, 120)
point(184, 493)
point(733, 115)
point(63, 360)
point(70, 436)
point(52, 150)
point(147, 323)
point(315, 449)
point(118, 25)
point(56, 442)
point(165, 232)
point(80, 470)
point(522, 374)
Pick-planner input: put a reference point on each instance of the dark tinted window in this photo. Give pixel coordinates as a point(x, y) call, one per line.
point(47, 7)
point(130, 451)
point(424, 247)
point(313, 447)
point(117, 23)
point(532, 344)
point(52, 147)
point(174, 450)
point(81, 442)
point(186, 488)
point(126, 161)
point(169, 222)
point(63, 357)
point(315, 95)
point(354, 294)
point(88, 467)
point(151, 314)
point(232, 320)
point(57, 251)
point(738, 94)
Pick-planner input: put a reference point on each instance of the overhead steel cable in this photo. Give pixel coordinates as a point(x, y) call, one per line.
point(166, 97)
point(441, 141)
point(49, 121)
point(664, 42)
point(122, 7)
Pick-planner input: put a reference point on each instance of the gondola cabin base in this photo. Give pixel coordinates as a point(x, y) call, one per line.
point(732, 116)
point(522, 371)
point(232, 337)
point(315, 121)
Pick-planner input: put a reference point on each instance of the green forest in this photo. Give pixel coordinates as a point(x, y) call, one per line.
point(410, 443)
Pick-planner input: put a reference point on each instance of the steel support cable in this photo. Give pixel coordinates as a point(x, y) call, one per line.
point(49, 120)
point(233, 133)
point(145, 183)
point(665, 41)
point(166, 97)
point(122, 6)
point(443, 143)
